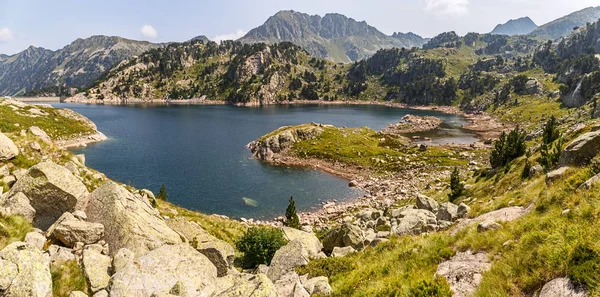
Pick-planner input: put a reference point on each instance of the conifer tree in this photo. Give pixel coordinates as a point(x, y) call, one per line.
point(456, 187)
point(291, 217)
point(162, 194)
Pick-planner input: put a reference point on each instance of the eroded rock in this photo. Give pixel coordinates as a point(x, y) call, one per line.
point(24, 271)
point(8, 149)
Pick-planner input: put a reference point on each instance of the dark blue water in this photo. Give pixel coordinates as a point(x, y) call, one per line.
point(199, 153)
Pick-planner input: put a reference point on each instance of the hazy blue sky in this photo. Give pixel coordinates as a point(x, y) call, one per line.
point(54, 23)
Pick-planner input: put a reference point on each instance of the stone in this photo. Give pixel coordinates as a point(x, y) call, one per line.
point(128, 222)
point(448, 212)
point(581, 150)
point(70, 230)
point(72, 167)
point(77, 294)
point(9, 180)
point(532, 87)
point(290, 285)
point(41, 134)
point(309, 240)
point(79, 214)
point(287, 258)
point(160, 269)
point(52, 190)
point(424, 202)
point(122, 258)
point(488, 226)
point(219, 252)
point(60, 255)
point(464, 272)
point(398, 212)
point(562, 287)
point(556, 174)
point(101, 293)
point(18, 204)
point(462, 211)
point(24, 271)
point(347, 235)
point(35, 239)
point(415, 221)
point(96, 268)
point(318, 286)
point(342, 251)
point(535, 170)
point(35, 146)
point(8, 149)
point(243, 284)
point(4, 171)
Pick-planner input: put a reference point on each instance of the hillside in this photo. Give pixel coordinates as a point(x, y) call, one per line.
point(520, 26)
point(333, 36)
point(564, 26)
point(76, 65)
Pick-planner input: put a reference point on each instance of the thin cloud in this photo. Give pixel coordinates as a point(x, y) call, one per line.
point(448, 7)
point(148, 31)
point(6, 35)
point(230, 36)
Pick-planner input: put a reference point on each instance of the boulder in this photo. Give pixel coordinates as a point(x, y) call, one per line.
point(463, 210)
point(35, 239)
point(97, 268)
point(464, 272)
point(309, 240)
point(415, 221)
point(556, 174)
point(532, 87)
point(59, 255)
point(448, 212)
point(535, 170)
point(70, 230)
point(488, 226)
point(52, 190)
point(424, 202)
point(101, 293)
point(347, 235)
point(290, 286)
point(8, 149)
point(122, 258)
point(128, 222)
point(287, 258)
point(581, 150)
point(24, 271)
point(219, 252)
point(41, 134)
point(78, 294)
point(161, 269)
point(399, 212)
point(18, 204)
point(4, 171)
point(243, 284)
point(562, 287)
point(318, 286)
point(342, 251)
point(9, 180)
point(588, 184)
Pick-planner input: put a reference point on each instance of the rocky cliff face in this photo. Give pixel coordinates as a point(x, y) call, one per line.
point(564, 26)
point(333, 36)
point(76, 65)
point(519, 26)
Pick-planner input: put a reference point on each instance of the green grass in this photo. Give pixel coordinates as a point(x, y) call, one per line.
point(56, 125)
point(13, 228)
point(66, 278)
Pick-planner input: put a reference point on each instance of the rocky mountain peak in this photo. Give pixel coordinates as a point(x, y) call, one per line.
point(518, 26)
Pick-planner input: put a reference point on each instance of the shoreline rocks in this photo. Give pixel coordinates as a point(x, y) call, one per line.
point(413, 124)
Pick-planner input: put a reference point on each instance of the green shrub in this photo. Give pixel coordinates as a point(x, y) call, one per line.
point(584, 267)
point(327, 267)
point(259, 244)
point(550, 154)
point(507, 148)
point(436, 288)
point(551, 132)
point(595, 165)
point(456, 187)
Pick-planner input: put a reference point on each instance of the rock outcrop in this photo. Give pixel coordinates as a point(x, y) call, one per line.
point(311, 243)
point(18, 204)
point(70, 230)
point(581, 150)
point(243, 284)
point(464, 272)
point(282, 139)
point(24, 271)
point(158, 271)
point(413, 124)
point(415, 221)
point(97, 268)
point(129, 222)
point(52, 190)
point(562, 287)
point(8, 149)
point(287, 258)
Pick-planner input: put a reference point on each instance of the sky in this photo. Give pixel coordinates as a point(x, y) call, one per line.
point(54, 24)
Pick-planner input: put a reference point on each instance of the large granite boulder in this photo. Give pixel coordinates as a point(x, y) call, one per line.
point(247, 285)
point(24, 271)
point(41, 134)
point(70, 230)
point(52, 190)
point(287, 258)
point(161, 269)
point(97, 268)
point(18, 204)
point(347, 235)
point(8, 149)
point(129, 222)
point(415, 221)
point(318, 286)
point(219, 252)
point(562, 287)
point(309, 240)
point(290, 285)
point(448, 212)
point(581, 150)
point(424, 202)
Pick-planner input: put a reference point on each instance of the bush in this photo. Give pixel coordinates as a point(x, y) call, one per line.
point(550, 156)
point(584, 267)
point(259, 244)
point(551, 132)
point(456, 187)
point(437, 288)
point(507, 148)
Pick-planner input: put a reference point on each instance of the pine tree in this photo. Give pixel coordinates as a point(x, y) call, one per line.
point(291, 217)
point(162, 194)
point(456, 187)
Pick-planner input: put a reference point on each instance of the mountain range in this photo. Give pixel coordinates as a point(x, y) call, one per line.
point(333, 36)
point(565, 25)
point(520, 26)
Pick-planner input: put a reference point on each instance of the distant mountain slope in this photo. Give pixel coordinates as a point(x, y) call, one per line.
point(519, 26)
point(333, 36)
point(564, 26)
point(76, 65)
